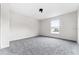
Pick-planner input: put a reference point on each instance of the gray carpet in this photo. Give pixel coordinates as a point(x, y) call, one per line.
point(41, 46)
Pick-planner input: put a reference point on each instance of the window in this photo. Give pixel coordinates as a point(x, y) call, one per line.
point(55, 25)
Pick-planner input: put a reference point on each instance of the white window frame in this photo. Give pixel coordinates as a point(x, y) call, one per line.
point(54, 26)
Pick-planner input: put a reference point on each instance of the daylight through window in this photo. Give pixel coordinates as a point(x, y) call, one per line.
point(55, 26)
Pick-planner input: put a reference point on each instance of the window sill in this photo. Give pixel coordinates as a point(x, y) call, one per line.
point(54, 32)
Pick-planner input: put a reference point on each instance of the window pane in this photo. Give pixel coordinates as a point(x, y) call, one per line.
point(55, 24)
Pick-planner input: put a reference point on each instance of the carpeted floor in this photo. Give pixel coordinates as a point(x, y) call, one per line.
point(41, 46)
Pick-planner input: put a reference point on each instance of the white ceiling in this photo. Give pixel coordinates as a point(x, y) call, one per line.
point(50, 9)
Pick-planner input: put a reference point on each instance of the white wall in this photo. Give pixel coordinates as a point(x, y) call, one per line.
point(68, 26)
point(78, 27)
point(0, 24)
point(15, 26)
point(4, 25)
point(22, 26)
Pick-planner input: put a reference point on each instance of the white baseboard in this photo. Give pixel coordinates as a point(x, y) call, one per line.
point(59, 38)
point(4, 45)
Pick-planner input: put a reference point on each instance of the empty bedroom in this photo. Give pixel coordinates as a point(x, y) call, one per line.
point(39, 28)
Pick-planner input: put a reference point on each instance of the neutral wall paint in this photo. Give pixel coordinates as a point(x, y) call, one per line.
point(78, 27)
point(0, 24)
point(22, 26)
point(15, 26)
point(4, 25)
point(68, 26)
